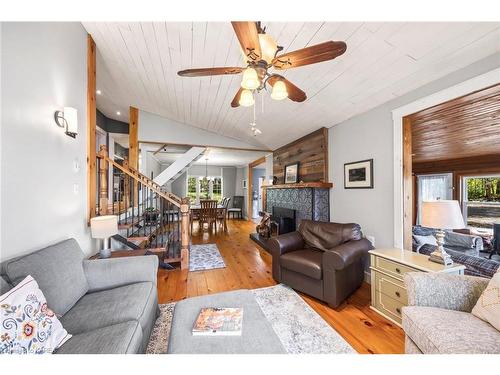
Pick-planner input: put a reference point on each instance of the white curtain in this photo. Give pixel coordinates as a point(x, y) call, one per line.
point(433, 187)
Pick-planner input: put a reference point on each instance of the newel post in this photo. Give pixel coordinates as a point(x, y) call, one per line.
point(185, 233)
point(103, 180)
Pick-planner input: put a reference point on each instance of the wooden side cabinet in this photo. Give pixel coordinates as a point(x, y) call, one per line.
point(388, 268)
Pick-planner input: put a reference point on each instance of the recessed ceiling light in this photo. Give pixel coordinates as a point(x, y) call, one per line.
point(118, 113)
point(98, 92)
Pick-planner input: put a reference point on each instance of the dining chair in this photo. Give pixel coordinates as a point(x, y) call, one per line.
point(208, 214)
point(222, 213)
point(237, 207)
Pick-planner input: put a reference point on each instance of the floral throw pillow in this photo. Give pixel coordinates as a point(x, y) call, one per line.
point(28, 326)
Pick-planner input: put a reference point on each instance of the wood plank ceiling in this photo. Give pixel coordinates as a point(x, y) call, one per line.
point(461, 128)
point(138, 62)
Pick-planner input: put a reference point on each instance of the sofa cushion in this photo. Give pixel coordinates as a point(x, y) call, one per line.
point(325, 235)
point(115, 339)
point(4, 285)
point(306, 261)
point(440, 331)
point(58, 270)
point(112, 306)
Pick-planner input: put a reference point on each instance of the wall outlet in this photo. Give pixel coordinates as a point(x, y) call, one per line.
point(371, 239)
point(76, 189)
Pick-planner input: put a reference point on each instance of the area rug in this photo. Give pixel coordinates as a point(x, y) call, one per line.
point(300, 329)
point(205, 257)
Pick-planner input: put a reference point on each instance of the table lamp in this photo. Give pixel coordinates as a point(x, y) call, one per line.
point(442, 214)
point(103, 227)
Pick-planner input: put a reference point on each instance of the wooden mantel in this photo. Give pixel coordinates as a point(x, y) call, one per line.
point(317, 185)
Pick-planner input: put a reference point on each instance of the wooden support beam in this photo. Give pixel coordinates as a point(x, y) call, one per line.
point(133, 149)
point(407, 184)
point(91, 129)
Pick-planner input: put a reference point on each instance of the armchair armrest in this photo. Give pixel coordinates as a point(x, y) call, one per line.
point(286, 243)
point(344, 255)
point(111, 273)
point(451, 292)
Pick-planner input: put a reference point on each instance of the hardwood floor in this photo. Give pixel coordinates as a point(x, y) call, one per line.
point(249, 266)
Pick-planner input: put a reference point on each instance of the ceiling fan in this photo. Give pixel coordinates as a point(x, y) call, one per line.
point(261, 54)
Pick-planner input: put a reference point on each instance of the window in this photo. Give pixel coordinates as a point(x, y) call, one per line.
point(481, 201)
point(433, 187)
point(191, 189)
point(204, 188)
point(217, 188)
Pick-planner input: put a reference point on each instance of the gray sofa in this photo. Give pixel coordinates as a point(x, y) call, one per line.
point(108, 305)
point(438, 317)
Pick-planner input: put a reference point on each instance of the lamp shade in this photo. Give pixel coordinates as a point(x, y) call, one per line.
point(442, 214)
point(250, 79)
point(268, 47)
point(71, 117)
point(279, 91)
point(104, 226)
point(246, 98)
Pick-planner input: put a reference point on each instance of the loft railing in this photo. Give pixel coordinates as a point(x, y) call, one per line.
point(148, 217)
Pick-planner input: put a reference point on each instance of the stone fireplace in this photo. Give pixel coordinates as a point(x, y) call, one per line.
point(307, 200)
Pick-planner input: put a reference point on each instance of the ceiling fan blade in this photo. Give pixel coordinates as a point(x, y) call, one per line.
point(201, 72)
point(249, 39)
point(236, 101)
point(310, 55)
point(294, 93)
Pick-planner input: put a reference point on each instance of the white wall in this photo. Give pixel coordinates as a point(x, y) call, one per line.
point(154, 128)
point(43, 68)
point(370, 135)
point(179, 186)
point(200, 170)
point(242, 174)
point(229, 182)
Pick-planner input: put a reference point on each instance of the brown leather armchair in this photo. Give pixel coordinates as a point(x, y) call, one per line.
point(324, 260)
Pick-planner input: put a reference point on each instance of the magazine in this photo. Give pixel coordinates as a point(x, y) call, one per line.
point(214, 321)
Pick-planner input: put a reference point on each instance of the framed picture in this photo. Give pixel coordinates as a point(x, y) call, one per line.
point(292, 173)
point(358, 175)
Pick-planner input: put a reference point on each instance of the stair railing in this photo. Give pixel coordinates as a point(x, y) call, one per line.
point(151, 218)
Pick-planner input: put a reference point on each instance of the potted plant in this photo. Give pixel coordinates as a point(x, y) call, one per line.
point(151, 214)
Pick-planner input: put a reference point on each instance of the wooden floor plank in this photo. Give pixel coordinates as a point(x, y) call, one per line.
point(248, 266)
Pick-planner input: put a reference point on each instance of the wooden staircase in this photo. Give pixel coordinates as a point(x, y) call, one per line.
point(148, 218)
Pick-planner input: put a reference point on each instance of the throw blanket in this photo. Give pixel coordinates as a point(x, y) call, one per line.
point(474, 266)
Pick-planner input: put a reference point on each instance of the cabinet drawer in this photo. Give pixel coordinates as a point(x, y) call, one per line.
point(394, 269)
point(391, 287)
point(388, 306)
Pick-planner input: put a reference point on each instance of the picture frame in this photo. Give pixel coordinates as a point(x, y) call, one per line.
point(292, 173)
point(358, 174)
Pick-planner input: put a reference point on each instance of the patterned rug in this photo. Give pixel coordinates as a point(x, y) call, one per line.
point(205, 257)
point(300, 329)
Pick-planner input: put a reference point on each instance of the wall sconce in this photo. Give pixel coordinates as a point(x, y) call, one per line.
point(68, 118)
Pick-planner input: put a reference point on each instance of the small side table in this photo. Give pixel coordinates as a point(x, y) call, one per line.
point(388, 268)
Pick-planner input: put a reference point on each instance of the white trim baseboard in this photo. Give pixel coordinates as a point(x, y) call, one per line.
point(477, 83)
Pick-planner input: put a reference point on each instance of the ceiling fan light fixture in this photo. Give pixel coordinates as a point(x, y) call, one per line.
point(268, 47)
point(279, 91)
point(250, 79)
point(246, 98)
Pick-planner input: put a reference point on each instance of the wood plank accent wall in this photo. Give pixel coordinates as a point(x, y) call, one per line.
point(310, 151)
point(460, 128)
point(91, 129)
